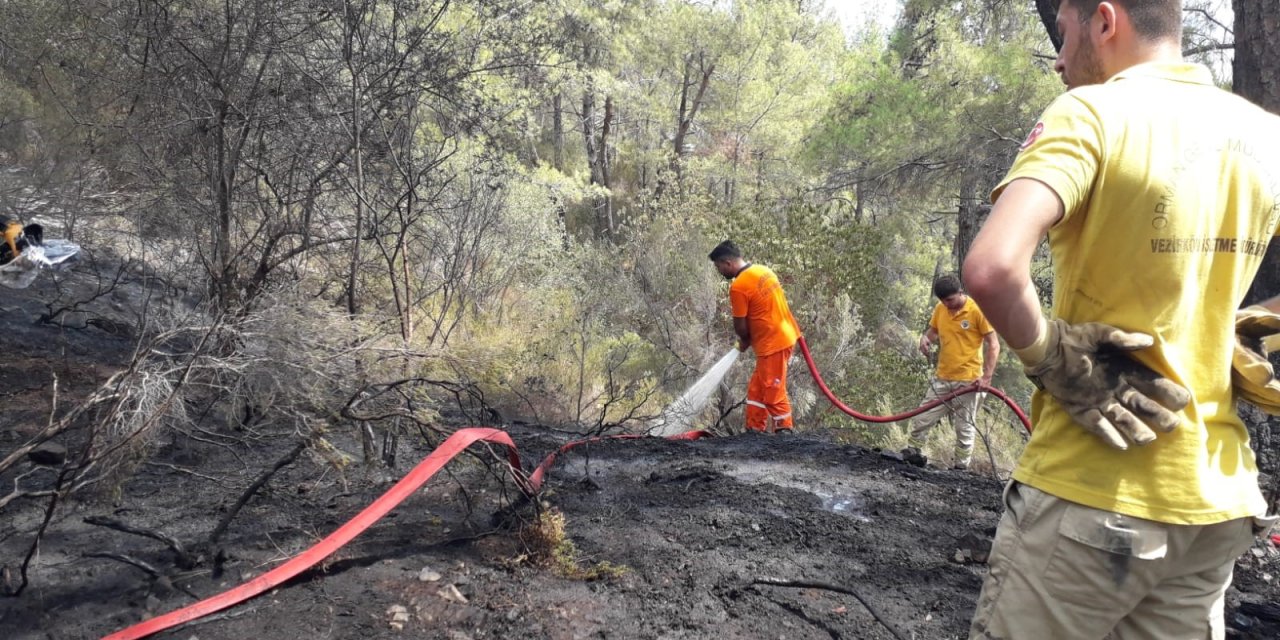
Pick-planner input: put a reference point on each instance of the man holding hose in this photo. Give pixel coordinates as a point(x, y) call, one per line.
point(968, 350)
point(762, 321)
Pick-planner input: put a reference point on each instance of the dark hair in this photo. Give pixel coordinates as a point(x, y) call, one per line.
point(1152, 19)
point(946, 285)
point(726, 249)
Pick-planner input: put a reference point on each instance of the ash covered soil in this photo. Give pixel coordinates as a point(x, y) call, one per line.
point(742, 536)
point(671, 540)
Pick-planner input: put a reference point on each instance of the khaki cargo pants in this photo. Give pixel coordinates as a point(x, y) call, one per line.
point(1063, 571)
point(962, 410)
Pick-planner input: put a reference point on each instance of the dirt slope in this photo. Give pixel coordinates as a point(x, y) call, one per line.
point(693, 528)
point(697, 530)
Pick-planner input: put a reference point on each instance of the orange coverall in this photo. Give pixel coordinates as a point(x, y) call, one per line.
point(757, 296)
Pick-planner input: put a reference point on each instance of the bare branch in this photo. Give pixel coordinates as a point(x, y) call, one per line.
point(1222, 46)
point(253, 489)
point(1209, 18)
point(185, 559)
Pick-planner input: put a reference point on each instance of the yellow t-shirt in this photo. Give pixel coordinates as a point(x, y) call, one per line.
point(756, 295)
point(960, 337)
point(1171, 189)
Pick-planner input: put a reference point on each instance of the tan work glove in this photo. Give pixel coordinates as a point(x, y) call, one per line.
point(1086, 368)
point(1252, 375)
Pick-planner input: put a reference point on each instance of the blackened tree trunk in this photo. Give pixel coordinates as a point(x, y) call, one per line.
point(604, 207)
point(696, 80)
point(1256, 76)
point(353, 16)
point(597, 152)
point(1048, 10)
point(557, 127)
point(972, 212)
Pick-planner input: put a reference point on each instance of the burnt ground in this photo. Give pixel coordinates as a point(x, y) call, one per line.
point(732, 537)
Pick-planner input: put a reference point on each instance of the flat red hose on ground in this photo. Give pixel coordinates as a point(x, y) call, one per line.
point(451, 447)
point(448, 450)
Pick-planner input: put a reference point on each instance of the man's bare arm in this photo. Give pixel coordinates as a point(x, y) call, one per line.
point(990, 356)
point(997, 271)
point(1272, 305)
point(930, 337)
point(743, 330)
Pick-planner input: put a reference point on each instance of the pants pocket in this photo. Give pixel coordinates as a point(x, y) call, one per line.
point(1102, 555)
point(1262, 525)
point(1023, 503)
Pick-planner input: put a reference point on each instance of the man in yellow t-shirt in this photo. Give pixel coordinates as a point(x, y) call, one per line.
point(1159, 194)
point(967, 353)
point(762, 321)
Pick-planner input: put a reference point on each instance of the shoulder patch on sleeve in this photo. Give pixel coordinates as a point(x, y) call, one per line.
point(1033, 136)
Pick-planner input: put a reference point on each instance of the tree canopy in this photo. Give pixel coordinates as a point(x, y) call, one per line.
point(526, 192)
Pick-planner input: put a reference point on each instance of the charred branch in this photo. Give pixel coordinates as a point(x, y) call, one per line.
point(248, 494)
point(184, 559)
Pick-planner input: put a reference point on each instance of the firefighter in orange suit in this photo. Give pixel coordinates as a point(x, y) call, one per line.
point(763, 322)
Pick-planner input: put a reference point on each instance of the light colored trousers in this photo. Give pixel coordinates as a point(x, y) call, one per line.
point(1063, 571)
point(963, 411)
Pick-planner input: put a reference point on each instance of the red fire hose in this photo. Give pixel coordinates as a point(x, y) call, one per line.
point(976, 388)
point(452, 446)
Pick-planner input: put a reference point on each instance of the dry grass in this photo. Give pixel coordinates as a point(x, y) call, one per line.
point(549, 546)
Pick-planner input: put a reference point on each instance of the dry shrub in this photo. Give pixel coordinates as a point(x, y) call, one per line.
point(549, 546)
point(282, 371)
point(146, 401)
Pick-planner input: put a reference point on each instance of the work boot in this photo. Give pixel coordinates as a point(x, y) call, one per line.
point(912, 455)
point(961, 465)
point(783, 431)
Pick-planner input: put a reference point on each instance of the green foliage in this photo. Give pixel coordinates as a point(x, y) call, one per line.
point(556, 260)
point(907, 127)
point(566, 349)
point(887, 382)
point(17, 111)
point(820, 253)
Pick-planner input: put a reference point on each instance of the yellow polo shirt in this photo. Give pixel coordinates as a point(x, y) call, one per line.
point(960, 337)
point(1171, 188)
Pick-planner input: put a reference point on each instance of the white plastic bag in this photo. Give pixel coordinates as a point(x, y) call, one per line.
point(20, 272)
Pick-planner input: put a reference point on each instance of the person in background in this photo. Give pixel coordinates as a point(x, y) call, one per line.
point(17, 238)
point(968, 350)
point(1158, 192)
point(763, 322)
